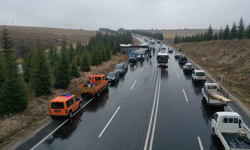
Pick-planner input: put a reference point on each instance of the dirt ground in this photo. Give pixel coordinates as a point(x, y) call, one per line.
point(135, 41)
point(23, 36)
point(229, 58)
point(19, 127)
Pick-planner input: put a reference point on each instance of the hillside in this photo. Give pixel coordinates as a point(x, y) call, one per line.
point(23, 36)
point(229, 58)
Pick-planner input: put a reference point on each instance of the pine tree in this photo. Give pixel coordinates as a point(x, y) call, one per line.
point(210, 33)
point(205, 36)
point(108, 53)
point(13, 94)
point(2, 69)
point(51, 53)
point(220, 34)
point(74, 70)
point(176, 39)
point(71, 52)
point(104, 55)
point(233, 34)
point(55, 57)
point(40, 73)
point(94, 58)
point(85, 65)
point(215, 36)
point(78, 60)
point(226, 33)
point(27, 65)
point(248, 32)
point(241, 29)
point(55, 69)
point(62, 79)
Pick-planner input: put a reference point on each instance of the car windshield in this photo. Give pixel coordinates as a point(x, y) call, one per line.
point(162, 59)
point(200, 74)
point(131, 55)
point(57, 106)
point(118, 67)
point(189, 65)
point(111, 74)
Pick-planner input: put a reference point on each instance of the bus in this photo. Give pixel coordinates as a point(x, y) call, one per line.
point(162, 59)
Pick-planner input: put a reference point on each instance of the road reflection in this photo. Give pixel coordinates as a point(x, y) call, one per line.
point(197, 86)
point(188, 75)
point(164, 73)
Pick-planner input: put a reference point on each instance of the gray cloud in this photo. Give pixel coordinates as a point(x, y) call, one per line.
point(129, 14)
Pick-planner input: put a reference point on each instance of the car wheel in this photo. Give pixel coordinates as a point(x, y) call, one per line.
point(70, 114)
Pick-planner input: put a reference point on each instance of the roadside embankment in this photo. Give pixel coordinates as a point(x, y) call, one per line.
point(19, 127)
point(229, 59)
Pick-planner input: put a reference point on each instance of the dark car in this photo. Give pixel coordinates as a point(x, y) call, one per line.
point(120, 68)
point(176, 55)
point(113, 77)
point(125, 64)
point(170, 50)
point(182, 59)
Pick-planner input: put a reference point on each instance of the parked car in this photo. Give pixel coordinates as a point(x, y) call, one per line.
point(113, 77)
point(120, 68)
point(199, 75)
point(125, 64)
point(176, 55)
point(188, 67)
point(64, 105)
point(182, 59)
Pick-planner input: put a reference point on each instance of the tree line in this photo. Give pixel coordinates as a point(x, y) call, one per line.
point(236, 32)
point(158, 36)
point(43, 71)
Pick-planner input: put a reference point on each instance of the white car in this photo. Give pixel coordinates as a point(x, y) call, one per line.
point(188, 67)
point(199, 75)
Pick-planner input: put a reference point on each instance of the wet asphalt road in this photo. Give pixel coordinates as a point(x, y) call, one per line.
point(125, 110)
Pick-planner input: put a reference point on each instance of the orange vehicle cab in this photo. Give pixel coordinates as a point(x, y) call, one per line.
point(94, 86)
point(64, 105)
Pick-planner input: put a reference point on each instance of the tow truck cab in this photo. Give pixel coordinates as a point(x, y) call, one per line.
point(132, 57)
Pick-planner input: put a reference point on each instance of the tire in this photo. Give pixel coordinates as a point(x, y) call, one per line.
point(70, 114)
point(52, 118)
point(80, 105)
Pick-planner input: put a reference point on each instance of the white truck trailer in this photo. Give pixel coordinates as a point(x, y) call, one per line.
point(230, 129)
point(211, 94)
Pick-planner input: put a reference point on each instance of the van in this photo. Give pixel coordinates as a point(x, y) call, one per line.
point(64, 105)
point(199, 75)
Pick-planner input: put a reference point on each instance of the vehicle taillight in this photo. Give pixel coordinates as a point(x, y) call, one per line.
point(66, 111)
point(205, 78)
point(195, 78)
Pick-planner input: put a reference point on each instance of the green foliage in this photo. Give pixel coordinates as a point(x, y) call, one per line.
point(2, 69)
point(27, 65)
point(55, 56)
point(85, 65)
point(56, 69)
point(233, 33)
point(71, 52)
point(241, 29)
point(210, 33)
point(247, 32)
point(62, 78)
point(176, 39)
point(78, 60)
point(226, 33)
point(74, 70)
point(13, 96)
point(50, 57)
point(40, 73)
point(215, 36)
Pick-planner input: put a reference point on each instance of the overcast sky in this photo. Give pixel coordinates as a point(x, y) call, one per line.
point(129, 14)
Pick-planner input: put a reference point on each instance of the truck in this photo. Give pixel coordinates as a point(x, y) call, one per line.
point(94, 86)
point(132, 57)
point(212, 96)
point(230, 129)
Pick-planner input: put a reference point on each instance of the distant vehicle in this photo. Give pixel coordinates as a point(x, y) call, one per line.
point(182, 59)
point(170, 50)
point(162, 59)
point(120, 68)
point(188, 67)
point(113, 77)
point(132, 57)
point(140, 57)
point(212, 96)
point(125, 64)
point(94, 86)
point(158, 42)
point(176, 55)
point(163, 49)
point(229, 128)
point(199, 75)
point(64, 105)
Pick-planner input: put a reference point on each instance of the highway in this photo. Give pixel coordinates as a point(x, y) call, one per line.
point(150, 108)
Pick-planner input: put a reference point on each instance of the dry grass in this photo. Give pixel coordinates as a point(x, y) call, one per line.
point(17, 127)
point(229, 58)
point(23, 36)
point(135, 41)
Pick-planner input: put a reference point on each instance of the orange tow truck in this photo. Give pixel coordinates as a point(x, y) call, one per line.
point(94, 86)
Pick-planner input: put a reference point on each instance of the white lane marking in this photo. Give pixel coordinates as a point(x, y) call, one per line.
point(230, 108)
point(178, 75)
point(156, 112)
point(133, 84)
point(109, 122)
point(152, 113)
point(59, 126)
point(185, 94)
point(141, 69)
point(200, 143)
